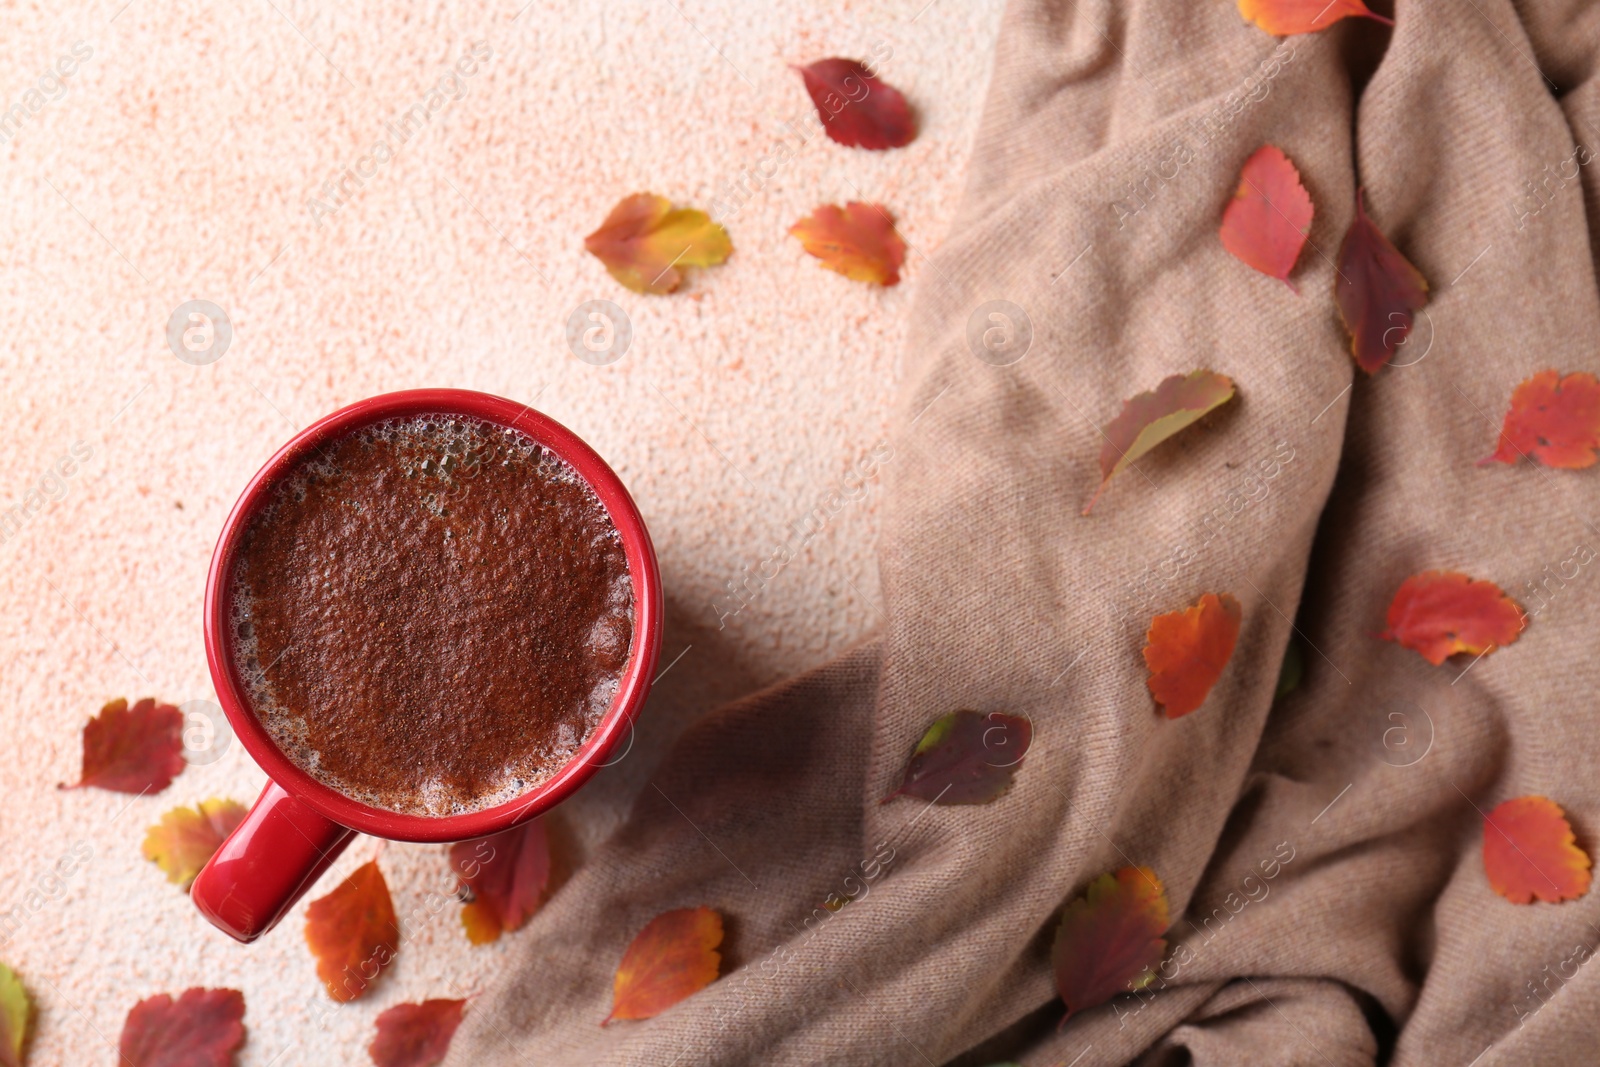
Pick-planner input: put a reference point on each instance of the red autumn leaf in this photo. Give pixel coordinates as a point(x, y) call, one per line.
point(858, 241)
point(674, 956)
point(1529, 852)
point(1109, 940)
point(353, 933)
point(1150, 418)
point(856, 108)
point(1282, 18)
point(1440, 613)
point(202, 1028)
point(137, 750)
point(1378, 292)
point(1554, 420)
point(966, 757)
point(187, 837)
point(1187, 650)
point(415, 1035)
point(508, 874)
point(1266, 223)
point(645, 242)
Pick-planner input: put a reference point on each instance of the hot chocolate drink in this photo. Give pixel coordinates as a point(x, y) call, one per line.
point(431, 614)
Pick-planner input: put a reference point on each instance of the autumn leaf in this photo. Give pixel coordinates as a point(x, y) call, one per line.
point(137, 750)
point(202, 1028)
point(645, 242)
point(16, 1010)
point(674, 956)
point(966, 757)
point(1552, 419)
point(1283, 18)
point(353, 933)
point(1440, 613)
point(1378, 292)
point(1292, 670)
point(856, 108)
point(185, 838)
point(1529, 852)
point(415, 1035)
point(1150, 418)
point(508, 874)
point(1266, 223)
point(858, 241)
point(1187, 650)
point(1109, 940)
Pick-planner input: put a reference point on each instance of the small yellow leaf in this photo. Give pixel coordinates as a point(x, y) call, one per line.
point(185, 838)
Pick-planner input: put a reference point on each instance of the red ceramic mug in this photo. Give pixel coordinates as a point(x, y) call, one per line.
point(299, 826)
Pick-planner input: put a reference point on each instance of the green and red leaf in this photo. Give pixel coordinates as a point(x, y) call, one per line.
point(1150, 418)
point(966, 757)
point(1110, 939)
point(1441, 613)
point(132, 750)
point(1530, 852)
point(202, 1028)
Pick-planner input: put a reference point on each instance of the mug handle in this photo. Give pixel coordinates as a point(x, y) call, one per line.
point(267, 864)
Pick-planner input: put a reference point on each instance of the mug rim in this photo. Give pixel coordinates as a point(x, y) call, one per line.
point(632, 688)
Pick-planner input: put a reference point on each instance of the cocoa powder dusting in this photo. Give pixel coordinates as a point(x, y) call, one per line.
point(432, 614)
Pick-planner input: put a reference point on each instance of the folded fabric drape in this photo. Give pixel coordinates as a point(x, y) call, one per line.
point(1112, 140)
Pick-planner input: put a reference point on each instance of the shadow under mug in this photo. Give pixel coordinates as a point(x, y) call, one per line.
point(299, 826)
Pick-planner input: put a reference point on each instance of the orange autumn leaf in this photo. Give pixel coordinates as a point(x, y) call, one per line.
point(185, 838)
point(858, 241)
point(1378, 292)
point(645, 243)
point(132, 750)
point(416, 1035)
point(1282, 18)
point(1266, 223)
point(1187, 650)
point(1529, 852)
point(1150, 418)
point(674, 956)
point(507, 874)
point(1109, 940)
point(1440, 613)
point(1552, 419)
point(202, 1028)
point(856, 108)
point(353, 933)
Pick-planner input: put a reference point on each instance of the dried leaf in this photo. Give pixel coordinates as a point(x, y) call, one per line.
point(1378, 292)
point(1150, 418)
point(645, 242)
point(508, 874)
point(1282, 18)
point(1266, 223)
point(16, 1010)
point(1552, 419)
point(1292, 671)
point(202, 1028)
point(858, 241)
point(1187, 650)
point(185, 838)
point(1529, 852)
point(856, 108)
point(966, 757)
point(674, 956)
point(353, 933)
point(416, 1035)
point(1440, 613)
point(1109, 940)
point(137, 750)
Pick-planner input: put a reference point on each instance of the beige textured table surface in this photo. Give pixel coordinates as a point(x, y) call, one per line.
point(178, 162)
